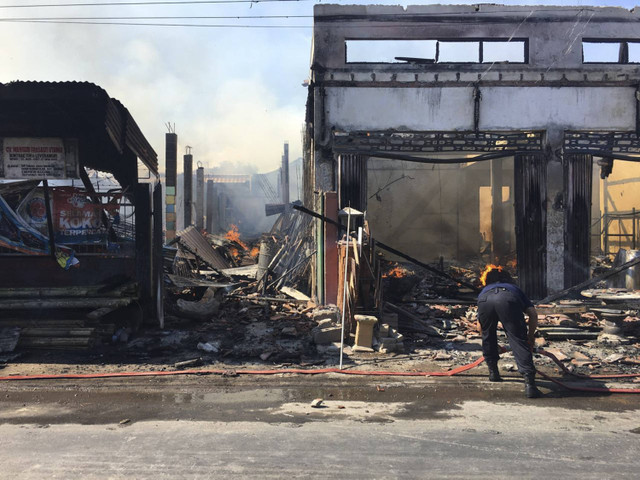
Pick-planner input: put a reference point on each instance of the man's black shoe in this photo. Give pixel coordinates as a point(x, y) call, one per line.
point(494, 373)
point(530, 389)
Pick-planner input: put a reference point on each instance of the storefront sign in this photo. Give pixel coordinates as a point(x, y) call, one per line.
point(26, 158)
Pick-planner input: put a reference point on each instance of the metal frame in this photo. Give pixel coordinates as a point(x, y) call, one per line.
point(431, 142)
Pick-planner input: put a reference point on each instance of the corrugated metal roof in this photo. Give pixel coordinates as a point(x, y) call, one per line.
point(230, 178)
point(194, 242)
point(70, 109)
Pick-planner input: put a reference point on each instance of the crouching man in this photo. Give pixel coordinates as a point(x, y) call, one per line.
point(502, 301)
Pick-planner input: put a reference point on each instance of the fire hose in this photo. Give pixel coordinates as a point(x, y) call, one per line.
point(301, 371)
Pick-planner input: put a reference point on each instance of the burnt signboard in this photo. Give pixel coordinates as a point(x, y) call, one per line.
point(27, 158)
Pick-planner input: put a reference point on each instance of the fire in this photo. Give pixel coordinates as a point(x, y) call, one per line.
point(513, 264)
point(395, 272)
point(483, 277)
point(255, 251)
point(234, 252)
point(233, 236)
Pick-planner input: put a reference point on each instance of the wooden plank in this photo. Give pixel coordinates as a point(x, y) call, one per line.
point(293, 293)
point(101, 291)
point(184, 282)
point(563, 309)
point(71, 303)
point(35, 322)
point(57, 332)
point(36, 342)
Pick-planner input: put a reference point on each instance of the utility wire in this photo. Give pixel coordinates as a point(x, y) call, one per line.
point(140, 24)
point(171, 2)
point(200, 17)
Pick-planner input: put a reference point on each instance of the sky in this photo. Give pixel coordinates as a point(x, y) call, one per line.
point(235, 94)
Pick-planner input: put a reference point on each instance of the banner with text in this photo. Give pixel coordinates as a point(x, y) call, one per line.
point(76, 218)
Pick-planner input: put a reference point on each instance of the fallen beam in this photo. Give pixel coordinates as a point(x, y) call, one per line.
point(419, 324)
point(592, 281)
point(267, 299)
point(392, 250)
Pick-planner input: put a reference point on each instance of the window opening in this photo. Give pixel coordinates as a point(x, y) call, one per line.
point(508, 52)
point(390, 51)
point(459, 52)
point(436, 51)
point(608, 51)
point(634, 52)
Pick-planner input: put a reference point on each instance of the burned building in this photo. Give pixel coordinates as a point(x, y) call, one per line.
point(80, 206)
point(444, 123)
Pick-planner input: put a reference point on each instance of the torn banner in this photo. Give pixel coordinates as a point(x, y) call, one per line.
point(17, 234)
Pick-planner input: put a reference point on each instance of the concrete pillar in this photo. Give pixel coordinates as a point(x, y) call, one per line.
point(188, 188)
point(212, 218)
point(171, 166)
point(200, 198)
point(555, 212)
point(323, 181)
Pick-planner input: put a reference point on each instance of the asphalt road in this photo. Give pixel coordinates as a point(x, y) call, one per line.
point(212, 427)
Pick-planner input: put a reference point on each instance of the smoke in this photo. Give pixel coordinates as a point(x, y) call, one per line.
point(234, 96)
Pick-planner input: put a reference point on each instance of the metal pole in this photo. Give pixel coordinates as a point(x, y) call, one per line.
point(633, 220)
point(47, 204)
point(605, 216)
point(344, 290)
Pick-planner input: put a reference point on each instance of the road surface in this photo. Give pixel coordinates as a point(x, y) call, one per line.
point(264, 427)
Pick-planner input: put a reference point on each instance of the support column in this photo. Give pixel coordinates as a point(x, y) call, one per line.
point(323, 181)
point(498, 234)
point(331, 248)
point(200, 198)
point(188, 187)
point(144, 242)
point(171, 166)
point(212, 221)
point(555, 212)
point(596, 220)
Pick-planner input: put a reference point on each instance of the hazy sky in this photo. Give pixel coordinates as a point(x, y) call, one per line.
point(234, 94)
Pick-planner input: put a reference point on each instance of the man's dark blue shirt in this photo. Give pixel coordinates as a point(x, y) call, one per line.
point(526, 303)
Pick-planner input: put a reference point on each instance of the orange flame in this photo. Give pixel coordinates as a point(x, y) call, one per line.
point(513, 264)
point(483, 277)
point(255, 251)
point(395, 272)
point(233, 236)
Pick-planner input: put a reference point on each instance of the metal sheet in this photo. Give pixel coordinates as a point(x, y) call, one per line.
point(531, 223)
point(194, 242)
point(577, 186)
point(353, 181)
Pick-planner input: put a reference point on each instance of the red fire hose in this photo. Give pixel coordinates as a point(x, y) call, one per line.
point(300, 371)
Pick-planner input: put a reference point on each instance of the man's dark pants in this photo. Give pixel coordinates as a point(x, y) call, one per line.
point(501, 305)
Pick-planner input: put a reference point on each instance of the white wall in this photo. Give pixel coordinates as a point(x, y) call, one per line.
point(400, 108)
point(502, 108)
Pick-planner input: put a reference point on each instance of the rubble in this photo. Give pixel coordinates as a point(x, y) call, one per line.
point(408, 314)
point(204, 309)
